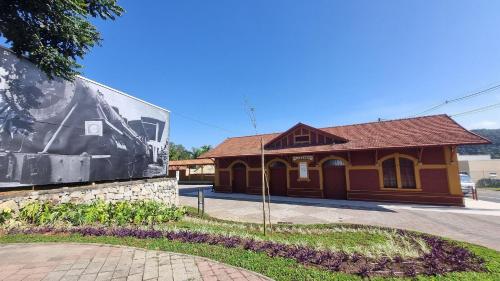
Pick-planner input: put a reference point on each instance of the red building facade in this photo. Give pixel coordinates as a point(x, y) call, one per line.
point(409, 160)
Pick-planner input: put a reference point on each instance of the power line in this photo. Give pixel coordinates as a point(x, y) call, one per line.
point(446, 102)
point(203, 122)
point(477, 110)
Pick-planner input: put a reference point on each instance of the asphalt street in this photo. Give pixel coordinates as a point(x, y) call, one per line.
point(488, 195)
point(476, 223)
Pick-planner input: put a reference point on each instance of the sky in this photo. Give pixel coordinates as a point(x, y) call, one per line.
point(323, 63)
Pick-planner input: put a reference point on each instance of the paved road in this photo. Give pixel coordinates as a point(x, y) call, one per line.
point(479, 224)
point(488, 195)
point(89, 262)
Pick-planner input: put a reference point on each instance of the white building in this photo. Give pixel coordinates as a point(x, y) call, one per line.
point(479, 166)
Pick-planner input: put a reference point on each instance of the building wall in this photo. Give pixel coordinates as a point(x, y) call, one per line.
point(436, 171)
point(480, 169)
point(188, 176)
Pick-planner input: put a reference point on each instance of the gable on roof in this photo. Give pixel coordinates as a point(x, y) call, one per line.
point(435, 130)
point(303, 135)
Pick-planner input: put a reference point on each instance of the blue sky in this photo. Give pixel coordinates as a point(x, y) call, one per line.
point(323, 63)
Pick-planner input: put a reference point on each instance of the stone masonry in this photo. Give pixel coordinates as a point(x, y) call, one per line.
point(159, 189)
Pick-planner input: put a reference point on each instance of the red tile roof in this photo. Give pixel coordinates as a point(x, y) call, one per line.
point(435, 130)
point(191, 162)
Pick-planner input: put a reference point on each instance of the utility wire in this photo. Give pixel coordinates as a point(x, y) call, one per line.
point(446, 102)
point(203, 122)
point(477, 110)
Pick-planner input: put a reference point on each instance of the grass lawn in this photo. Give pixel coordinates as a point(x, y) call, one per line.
point(370, 241)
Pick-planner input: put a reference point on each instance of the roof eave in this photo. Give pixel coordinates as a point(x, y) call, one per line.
point(276, 151)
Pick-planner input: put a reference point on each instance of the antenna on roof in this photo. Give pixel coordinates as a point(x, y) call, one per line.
point(251, 113)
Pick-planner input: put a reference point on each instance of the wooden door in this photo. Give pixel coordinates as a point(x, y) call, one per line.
point(239, 178)
point(334, 180)
point(277, 179)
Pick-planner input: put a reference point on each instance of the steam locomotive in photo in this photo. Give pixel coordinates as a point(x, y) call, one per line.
point(55, 131)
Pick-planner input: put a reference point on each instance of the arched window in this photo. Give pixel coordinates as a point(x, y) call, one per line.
point(239, 166)
point(277, 164)
point(333, 163)
point(390, 173)
point(407, 172)
point(399, 172)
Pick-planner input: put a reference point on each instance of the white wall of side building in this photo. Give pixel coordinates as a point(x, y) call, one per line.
point(480, 169)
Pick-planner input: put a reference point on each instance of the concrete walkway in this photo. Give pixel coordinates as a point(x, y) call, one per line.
point(54, 261)
point(478, 222)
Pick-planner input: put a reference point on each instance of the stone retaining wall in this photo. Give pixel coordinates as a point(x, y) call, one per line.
point(164, 190)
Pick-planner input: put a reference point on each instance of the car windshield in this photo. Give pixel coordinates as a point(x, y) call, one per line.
point(465, 178)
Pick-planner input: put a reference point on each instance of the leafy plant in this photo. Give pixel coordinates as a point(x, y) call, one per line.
point(31, 212)
point(5, 214)
point(99, 212)
point(442, 259)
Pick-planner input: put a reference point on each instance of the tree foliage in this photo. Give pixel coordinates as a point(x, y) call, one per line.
point(179, 152)
point(198, 151)
point(486, 182)
point(493, 149)
point(53, 34)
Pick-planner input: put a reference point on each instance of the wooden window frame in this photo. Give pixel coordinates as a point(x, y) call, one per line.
point(302, 142)
point(396, 173)
point(416, 170)
point(306, 178)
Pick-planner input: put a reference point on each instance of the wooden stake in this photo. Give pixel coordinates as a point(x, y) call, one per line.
point(269, 203)
point(263, 185)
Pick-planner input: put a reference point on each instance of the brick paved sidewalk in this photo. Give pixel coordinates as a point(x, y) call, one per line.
point(88, 262)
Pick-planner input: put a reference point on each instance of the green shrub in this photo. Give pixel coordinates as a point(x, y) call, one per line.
point(5, 215)
point(488, 182)
point(99, 212)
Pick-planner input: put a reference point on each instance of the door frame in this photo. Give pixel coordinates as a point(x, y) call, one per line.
point(287, 175)
point(347, 165)
point(231, 176)
point(335, 174)
point(288, 168)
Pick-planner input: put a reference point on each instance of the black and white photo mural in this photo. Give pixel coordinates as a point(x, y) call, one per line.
point(55, 131)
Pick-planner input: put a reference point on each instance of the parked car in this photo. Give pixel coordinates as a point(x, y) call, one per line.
point(467, 184)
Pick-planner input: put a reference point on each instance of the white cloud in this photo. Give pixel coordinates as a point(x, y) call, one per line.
point(484, 124)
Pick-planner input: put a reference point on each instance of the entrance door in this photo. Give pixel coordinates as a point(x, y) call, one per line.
point(277, 179)
point(239, 178)
point(334, 184)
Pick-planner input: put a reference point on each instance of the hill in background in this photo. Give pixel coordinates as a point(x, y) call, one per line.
point(493, 149)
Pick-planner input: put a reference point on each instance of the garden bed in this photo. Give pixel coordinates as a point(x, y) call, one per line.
point(444, 257)
point(328, 250)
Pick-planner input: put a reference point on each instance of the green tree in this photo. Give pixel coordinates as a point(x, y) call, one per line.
point(178, 152)
point(198, 151)
point(53, 34)
point(493, 149)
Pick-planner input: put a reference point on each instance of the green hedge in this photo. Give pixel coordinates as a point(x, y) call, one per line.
point(488, 182)
point(99, 212)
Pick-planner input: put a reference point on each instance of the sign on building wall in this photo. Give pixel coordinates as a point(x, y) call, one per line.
point(303, 158)
point(55, 131)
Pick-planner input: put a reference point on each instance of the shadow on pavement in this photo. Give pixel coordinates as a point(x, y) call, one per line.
point(192, 191)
